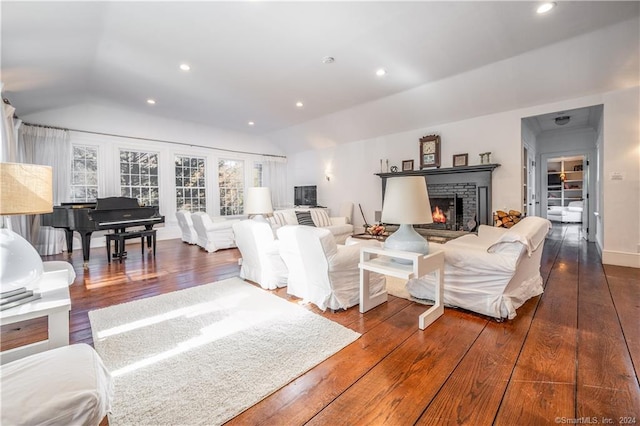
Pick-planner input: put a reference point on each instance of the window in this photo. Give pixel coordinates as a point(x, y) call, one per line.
point(257, 174)
point(139, 177)
point(84, 173)
point(190, 184)
point(231, 184)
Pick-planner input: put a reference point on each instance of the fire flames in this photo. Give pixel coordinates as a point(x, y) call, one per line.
point(439, 216)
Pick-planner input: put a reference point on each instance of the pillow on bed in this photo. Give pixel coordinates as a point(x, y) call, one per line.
point(575, 206)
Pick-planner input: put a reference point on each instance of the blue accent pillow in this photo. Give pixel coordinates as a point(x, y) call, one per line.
point(304, 218)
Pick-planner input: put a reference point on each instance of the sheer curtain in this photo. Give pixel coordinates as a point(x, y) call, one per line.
point(274, 175)
point(10, 154)
point(49, 147)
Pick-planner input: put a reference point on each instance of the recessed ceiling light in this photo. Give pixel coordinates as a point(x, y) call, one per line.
point(251, 123)
point(545, 7)
point(151, 101)
point(299, 104)
point(328, 60)
point(185, 67)
point(381, 72)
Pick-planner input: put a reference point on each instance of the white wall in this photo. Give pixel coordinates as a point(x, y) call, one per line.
point(598, 199)
point(621, 158)
point(353, 165)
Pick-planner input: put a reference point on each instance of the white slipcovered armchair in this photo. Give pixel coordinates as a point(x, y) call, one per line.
point(213, 235)
point(492, 273)
point(320, 271)
point(185, 223)
point(261, 261)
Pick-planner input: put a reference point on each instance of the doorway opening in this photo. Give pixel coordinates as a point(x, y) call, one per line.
point(566, 189)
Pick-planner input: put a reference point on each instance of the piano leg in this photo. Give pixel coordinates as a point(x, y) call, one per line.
point(149, 245)
point(86, 247)
point(68, 236)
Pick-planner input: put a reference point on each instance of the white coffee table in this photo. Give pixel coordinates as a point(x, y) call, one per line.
point(380, 260)
point(54, 304)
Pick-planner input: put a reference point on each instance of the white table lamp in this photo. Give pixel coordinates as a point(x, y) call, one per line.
point(406, 203)
point(258, 202)
point(24, 189)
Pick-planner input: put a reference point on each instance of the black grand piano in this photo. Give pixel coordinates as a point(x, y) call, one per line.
point(117, 213)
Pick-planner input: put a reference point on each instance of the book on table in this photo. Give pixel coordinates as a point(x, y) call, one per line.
point(17, 297)
point(12, 292)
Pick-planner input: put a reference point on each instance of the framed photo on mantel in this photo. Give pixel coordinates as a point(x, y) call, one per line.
point(460, 160)
point(430, 151)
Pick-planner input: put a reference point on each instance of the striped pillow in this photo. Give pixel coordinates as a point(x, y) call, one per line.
point(304, 218)
point(278, 218)
point(320, 217)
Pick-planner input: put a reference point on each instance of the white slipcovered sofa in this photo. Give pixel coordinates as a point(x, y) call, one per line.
point(261, 261)
point(321, 271)
point(213, 233)
point(572, 213)
point(492, 273)
point(339, 227)
point(64, 386)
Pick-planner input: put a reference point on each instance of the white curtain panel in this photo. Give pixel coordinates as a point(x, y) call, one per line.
point(49, 147)
point(10, 154)
point(274, 176)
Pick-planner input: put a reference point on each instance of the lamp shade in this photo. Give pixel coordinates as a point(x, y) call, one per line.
point(406, 201)
point(25, 189)
point(258, 201)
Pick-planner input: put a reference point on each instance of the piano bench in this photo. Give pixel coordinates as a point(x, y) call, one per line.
point(120, 237)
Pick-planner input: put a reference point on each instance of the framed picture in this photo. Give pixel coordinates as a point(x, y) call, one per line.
point(407, 165)
point(430, 151)
point(460, 160)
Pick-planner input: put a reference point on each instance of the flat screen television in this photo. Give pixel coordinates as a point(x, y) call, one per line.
point(305, 195)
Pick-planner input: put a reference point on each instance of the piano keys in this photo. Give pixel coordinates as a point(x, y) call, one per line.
point(116, 213)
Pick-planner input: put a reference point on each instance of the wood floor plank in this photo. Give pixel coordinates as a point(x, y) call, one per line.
point(475, 389)
point(607, 383)
point(624, 284)
point(546, 365)
point(397, 389)
point(537, 403)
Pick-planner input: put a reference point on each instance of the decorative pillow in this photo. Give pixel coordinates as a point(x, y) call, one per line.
point(320, 217)
point(278, 219)
point(304, 218)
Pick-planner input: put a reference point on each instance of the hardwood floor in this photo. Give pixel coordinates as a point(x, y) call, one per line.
point(571, 355)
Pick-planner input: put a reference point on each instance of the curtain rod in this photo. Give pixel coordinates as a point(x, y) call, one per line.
point(153, 140)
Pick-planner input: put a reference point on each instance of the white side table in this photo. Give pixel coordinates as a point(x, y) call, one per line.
point(373, 259)
point(54, 303)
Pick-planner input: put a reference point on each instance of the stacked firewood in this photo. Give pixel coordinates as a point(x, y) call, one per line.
point(506, 219)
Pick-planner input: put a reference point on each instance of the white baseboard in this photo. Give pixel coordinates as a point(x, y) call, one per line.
point(619, 258)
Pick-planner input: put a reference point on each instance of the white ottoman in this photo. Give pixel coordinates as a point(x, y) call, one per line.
point(63, 386)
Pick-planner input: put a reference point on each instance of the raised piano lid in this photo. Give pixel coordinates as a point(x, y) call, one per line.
point(115, 203)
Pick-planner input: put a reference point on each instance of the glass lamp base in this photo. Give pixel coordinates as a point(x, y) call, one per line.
point(407, 239)
point(20, 263)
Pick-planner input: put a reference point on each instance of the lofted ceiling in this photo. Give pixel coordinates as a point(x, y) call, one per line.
point(252, 61)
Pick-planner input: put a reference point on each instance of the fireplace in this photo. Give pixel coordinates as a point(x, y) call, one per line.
point(466, 190)
point(447, 213)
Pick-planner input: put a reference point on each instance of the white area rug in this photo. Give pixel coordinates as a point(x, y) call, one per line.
point(205, 354)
